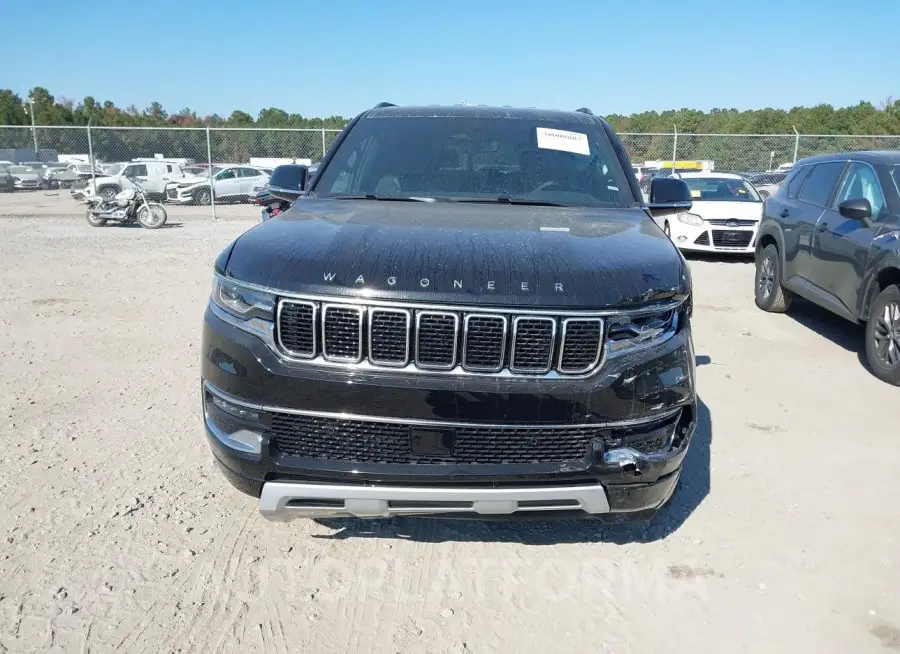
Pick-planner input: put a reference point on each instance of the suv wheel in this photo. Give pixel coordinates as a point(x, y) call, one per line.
point(767, 288)
point(202, 196)
point(883, 336)
point(108, 193)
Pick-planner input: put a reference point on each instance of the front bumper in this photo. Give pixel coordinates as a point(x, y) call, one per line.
point(180, 195)
point(257, 386)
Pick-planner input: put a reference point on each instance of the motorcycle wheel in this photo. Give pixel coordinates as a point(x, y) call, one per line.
point(152, 216)
point(94, 221)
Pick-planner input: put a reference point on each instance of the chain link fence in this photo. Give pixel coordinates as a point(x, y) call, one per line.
point(268, 147)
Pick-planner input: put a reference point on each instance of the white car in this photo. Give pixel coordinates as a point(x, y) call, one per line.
point(232, 183)
point(724, 217)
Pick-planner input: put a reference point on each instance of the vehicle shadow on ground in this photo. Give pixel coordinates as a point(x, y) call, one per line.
point(838, 330)
point(692, 490)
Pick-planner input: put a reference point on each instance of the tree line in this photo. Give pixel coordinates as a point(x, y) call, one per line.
point(863, 118)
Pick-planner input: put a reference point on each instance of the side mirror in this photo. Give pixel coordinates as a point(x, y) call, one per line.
point(668, 195)
point(288, 182)
point(857, 208)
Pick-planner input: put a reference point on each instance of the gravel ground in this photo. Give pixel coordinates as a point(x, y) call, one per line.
point(119, 533)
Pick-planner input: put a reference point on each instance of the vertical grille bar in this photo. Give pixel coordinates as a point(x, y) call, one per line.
point(342, 332)
point(581, 345)
point(436, 339)
point(484, 342)
point(532, 344)
point(296, 322)
point(389, 336)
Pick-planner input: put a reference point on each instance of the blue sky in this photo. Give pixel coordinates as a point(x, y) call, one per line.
point(324, 58)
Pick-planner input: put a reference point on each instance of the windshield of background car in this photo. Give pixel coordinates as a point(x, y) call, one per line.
point(721, 189)
point(20, 170)
point(475, 157)
point(114, 169)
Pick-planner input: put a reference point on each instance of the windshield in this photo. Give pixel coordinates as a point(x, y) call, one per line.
point(20, 170)
point(477, 158)
point(113, 169)
point(721, 189)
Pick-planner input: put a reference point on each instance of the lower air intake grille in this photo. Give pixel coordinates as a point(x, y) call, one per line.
point(703, 239)
point(725, 239)
point(366, 441)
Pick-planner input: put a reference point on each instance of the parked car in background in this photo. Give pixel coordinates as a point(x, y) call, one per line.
point(725, 215)
point(153, 176)
point(767, 184)
point(832, 235)
point(26, 178)
point(7, 181)
point(231, 183)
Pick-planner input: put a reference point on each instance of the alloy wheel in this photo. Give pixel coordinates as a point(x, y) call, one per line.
point(887, 334)
point(765, 283)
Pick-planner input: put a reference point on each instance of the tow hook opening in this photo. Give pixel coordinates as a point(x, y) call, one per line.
point(628, 460)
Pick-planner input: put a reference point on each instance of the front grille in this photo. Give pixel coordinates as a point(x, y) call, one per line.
point(582, 342)
point(342, 333)
point(436, 340)
point(732, 222)
point(368, 441)
point(484, 342)
point(533, 340)
point(389, 337)
point(728, 239)
point(703, 239)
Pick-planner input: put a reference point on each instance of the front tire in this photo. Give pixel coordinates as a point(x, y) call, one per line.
point(883, 336)
point(94, 221)
point(203, 196)
point(152, 216)
point(108, 193)
point(770, 295)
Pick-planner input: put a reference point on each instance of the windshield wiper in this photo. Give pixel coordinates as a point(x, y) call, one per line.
point(382, 198)
point(507, 199)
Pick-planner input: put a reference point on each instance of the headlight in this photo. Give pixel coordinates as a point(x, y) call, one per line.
point(640, 330)
point(690, 219)
point(242, 302)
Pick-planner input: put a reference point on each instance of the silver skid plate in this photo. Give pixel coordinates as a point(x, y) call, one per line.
point(285, 500)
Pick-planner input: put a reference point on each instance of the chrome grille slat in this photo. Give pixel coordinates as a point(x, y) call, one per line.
point(297, 332)
point(454, 340)
point(437, 333)
point(581, 345)
point(484, 342)
point(389, 337)
point(342, 333)
point(532, 344)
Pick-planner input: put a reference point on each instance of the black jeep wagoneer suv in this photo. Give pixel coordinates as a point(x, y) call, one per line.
point(467, 312)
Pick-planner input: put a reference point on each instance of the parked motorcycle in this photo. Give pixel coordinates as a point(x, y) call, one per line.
point(126, 207)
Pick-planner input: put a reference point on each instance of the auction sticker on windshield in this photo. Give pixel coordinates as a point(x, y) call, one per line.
point(560, 139)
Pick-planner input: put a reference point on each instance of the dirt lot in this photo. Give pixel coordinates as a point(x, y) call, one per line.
point(119, 534)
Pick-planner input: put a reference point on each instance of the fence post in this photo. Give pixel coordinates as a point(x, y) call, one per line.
point(796, 142)
point(212, 194)
point(674, 147)
point(91, 157)
point(323, 141)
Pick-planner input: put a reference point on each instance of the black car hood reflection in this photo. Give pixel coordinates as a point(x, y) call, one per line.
point(463, 253)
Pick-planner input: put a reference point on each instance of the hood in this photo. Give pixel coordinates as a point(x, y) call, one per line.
point(719, 210)
point(190, 180)
point(463, 253)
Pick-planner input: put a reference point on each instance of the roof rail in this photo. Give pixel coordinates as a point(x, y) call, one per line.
point(384, 104)
point(585, 110)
